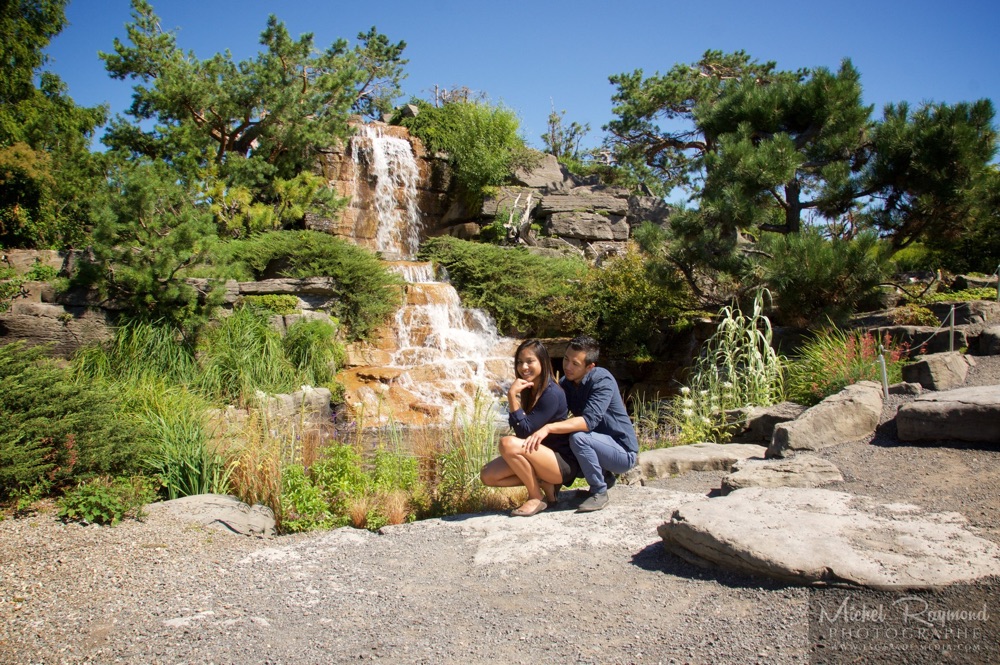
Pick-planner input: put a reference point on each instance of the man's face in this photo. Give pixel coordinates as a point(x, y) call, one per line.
point(575, 365)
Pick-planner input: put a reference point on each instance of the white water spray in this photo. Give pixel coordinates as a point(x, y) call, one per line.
point(391, 163)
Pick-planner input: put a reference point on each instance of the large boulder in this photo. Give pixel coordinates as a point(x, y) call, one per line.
point(760, 421)
point(938, 371)
point(798, 471)
point(964, 414)
point(989, 341)
point(666, 462)
point(820, 537)
point(851, 414)
point(547, 175)
point(220, 512)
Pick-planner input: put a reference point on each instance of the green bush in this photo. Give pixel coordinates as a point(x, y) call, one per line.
point(977, 293)
point(481, 139)
point(834, 359)
point(624, 305)
point(913, 315)
point(57, 430)
point(364, 297)
point(304, 504)
point(516, 287)
point(106, 501)
point(815, 279)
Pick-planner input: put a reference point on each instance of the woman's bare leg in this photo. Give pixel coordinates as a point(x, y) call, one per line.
point(530, 468)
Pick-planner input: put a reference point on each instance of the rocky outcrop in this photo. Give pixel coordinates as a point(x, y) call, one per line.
point(821, 537)
point(760, 421)
point(938, 371)
point(989, 341)
point(220, 512)
point(849, 415)
point(798, 471)
point(964, 414)
point(666, 462)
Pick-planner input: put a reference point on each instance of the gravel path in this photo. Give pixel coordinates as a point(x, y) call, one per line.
point(560, 587)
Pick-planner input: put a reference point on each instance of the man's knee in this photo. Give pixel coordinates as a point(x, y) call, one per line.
point(579, 441)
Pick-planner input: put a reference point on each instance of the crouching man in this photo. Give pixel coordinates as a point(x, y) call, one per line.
point(601, 434)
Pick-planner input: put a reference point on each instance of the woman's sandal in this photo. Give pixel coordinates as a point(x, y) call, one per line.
point(521, 512)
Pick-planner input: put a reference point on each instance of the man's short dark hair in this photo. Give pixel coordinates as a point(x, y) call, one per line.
point(587, 344)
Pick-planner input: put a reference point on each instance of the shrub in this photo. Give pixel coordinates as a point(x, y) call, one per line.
point(834, 359)
point(516, 287)
point(815, 279)
point(624, 305)
point(56, 430)
point(481, 139)
point(107, 501)
point(364, 299)
point(977, 293)
point(913, 315)
point(304, 506)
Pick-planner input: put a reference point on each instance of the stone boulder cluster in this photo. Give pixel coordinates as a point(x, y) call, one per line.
point(773, 515)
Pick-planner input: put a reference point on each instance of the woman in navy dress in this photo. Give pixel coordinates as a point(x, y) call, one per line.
point(534, 399)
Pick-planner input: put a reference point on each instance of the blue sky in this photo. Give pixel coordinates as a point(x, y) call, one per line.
point(531, 55)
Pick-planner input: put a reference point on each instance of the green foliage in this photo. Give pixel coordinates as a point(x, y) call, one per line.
point(652, 420)
point(268, 115)
point(516, 287)
point(914, 257)
point(977, 293)
point(47, 172)
point(737, 367)
point(275, 303)
point(150, 231)
point(834, 359)
point(564, 141)
point(626, 303)
point(139, 352)
point(56, 430)
point(471, 444)
point(305, 507)
point(816, 279)
point(104, 500)
point(912, 314)
point(919, 199)
point(361, 283)
point(481, 139)
point(312, 348)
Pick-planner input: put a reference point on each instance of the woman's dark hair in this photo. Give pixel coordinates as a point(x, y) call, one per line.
point(538, 349)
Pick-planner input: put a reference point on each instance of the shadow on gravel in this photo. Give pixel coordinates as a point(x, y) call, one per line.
point(655, 558)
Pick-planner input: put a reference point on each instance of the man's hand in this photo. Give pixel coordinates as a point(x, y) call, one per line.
point(534, 440)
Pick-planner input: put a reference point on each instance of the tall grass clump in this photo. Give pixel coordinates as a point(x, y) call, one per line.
point(312, 348)
point(240, 355)
point(834, 359)
point(139, 351)
point(737, 367)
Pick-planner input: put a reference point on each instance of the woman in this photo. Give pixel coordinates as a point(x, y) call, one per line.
point(534, 399)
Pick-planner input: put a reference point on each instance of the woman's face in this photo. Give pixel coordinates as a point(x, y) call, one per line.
point(527, 366)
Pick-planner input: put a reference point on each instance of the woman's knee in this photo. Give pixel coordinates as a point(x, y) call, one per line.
point(510, 445)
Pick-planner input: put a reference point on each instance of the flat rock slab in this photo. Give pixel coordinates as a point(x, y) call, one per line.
point(221, 512)
point(798, 471)
point(666, 462)
point(822, 537)
point(963, 414)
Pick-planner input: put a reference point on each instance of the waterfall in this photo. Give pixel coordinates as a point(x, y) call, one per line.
point(390, 162)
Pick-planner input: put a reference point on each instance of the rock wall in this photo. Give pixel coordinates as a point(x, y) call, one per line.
point(577, 216)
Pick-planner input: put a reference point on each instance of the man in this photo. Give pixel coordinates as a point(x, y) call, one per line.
point(601, 434)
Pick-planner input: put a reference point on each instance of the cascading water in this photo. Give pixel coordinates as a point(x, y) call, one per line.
point(440, 355)
point(390, 162)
